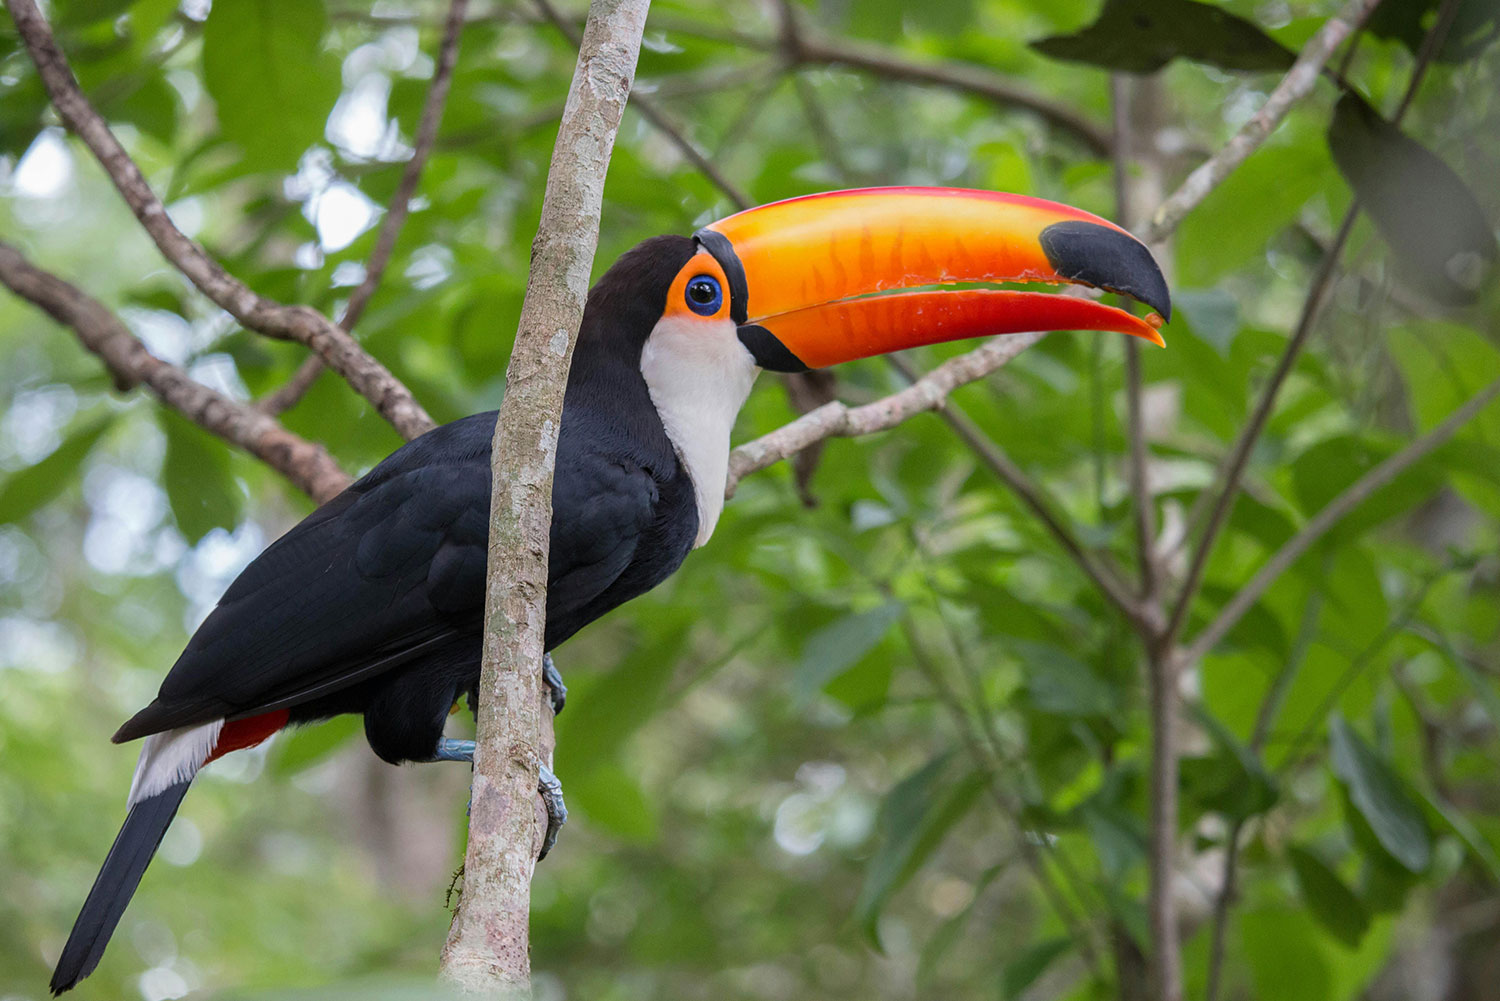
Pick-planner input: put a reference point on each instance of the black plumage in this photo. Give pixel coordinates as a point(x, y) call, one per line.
point(128, 857)
point(373, 603)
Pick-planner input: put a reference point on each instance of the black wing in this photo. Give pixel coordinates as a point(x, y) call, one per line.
point(386, 571)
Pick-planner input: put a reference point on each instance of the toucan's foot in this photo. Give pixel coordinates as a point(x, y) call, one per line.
point(557, 811)
point(554, 683)
point(449, 749)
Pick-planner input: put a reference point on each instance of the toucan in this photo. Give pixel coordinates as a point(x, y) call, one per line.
point(372, 604)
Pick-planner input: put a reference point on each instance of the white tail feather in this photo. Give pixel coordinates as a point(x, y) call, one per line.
point(172, 757)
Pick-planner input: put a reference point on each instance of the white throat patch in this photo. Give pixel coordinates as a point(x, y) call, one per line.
point(699, 375)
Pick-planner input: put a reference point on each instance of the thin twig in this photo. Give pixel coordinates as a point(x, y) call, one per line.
point(1264, 717)
point(651, 113)
point(1318, 526)
point(1140, 489)
point(1132, 115)
point(995, 459)
point(1317, 297)
point(307, 373)
point(1239, 455)
point(370, 378)
point(887, 65)
point(1165, 961)
point(307, 465)
point(838, 420)
point(1080, 929)
point(1295, 85)
point(1140, 486)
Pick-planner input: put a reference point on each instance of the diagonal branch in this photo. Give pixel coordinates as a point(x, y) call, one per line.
point(1295, 85)
point(838, 420)
point(307, 465)
point(886, 64)
point(1317, 296)
point(291, 394)
point(1318, 526)
point(999, 463)
point(307, 326)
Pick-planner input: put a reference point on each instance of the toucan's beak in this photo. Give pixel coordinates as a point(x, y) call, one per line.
point(829, 278)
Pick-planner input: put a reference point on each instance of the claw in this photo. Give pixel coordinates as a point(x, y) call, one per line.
point(449, 749)
point(557, 812)
point(554, 683)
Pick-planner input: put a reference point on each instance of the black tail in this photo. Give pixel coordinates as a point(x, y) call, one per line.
point(135, 844)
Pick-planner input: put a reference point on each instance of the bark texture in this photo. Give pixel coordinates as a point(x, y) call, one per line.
point(488, 944)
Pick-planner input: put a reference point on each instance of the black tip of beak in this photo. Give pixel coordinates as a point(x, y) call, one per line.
point(1106, 258)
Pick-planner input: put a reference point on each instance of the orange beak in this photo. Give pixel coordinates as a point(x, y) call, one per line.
point(832, 277)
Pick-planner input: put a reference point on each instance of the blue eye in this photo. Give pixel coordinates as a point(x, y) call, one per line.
point(704, 296)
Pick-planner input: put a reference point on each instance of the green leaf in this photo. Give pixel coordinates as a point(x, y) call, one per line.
point(298, 749)
point(1381, 798)
point(836, 648)
point(1330, 467)
point(1475, 26)
point(28, 489)
point(1281, 946)
point(1142, 36)
point(1330, 901)
point(1232, 781)
point(1432, 222)
point(150, 107)
point(1483, 687)
point(612, 799)
point(1119, 836)
point(271, 82)
point(1470, 835)
point(949, 931)
point(1023, 971)
point(195, 472)
point(601, 715)
point(78, 13)
point(1212, 314)
point(1061, 683)
point(1220, 237)
point(914, 818)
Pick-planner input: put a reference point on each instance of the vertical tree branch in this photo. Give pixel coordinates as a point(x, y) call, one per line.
point(488, 944)
point(1135, 103)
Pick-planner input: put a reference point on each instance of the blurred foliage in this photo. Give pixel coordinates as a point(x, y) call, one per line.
point(894, 746)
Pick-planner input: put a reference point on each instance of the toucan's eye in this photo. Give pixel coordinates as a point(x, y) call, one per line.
point(704, 296)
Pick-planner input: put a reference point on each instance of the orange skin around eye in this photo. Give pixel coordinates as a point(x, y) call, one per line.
point(703, 263)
